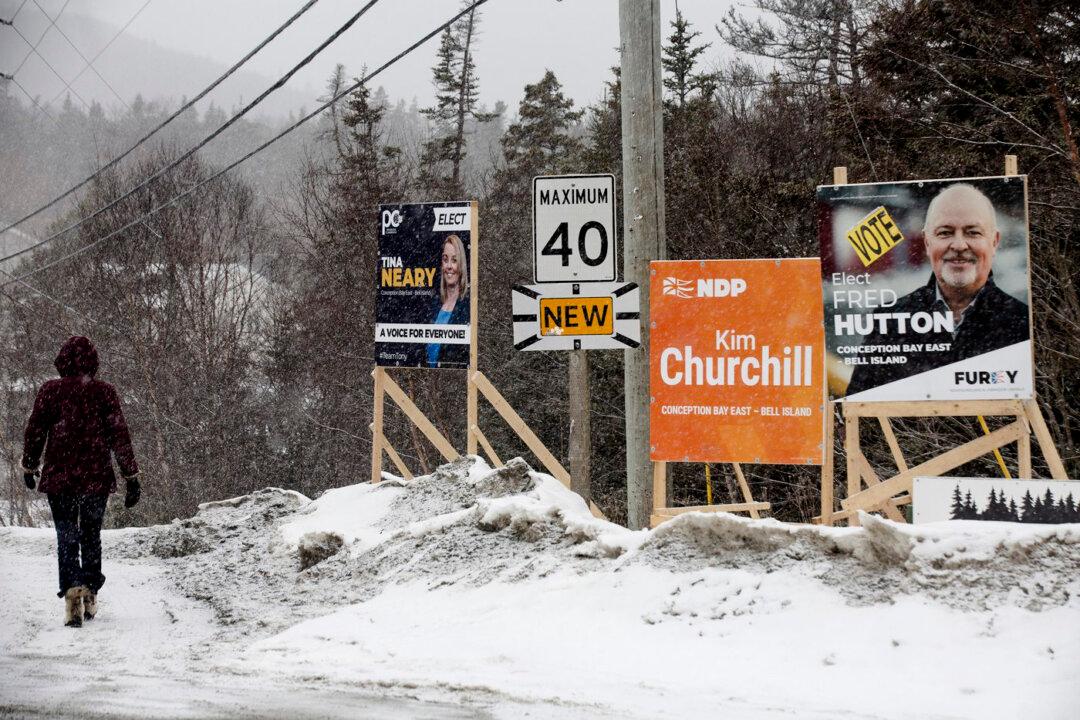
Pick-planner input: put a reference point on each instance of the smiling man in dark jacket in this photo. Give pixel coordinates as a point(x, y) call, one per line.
point(78, 423)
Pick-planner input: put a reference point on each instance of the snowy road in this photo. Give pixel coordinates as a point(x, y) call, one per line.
point(145, 656)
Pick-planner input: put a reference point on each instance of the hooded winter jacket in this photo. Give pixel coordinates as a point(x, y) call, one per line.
point(78, 422)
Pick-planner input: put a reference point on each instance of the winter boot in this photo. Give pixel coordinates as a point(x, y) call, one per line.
point(73, 606)
point(89, 605)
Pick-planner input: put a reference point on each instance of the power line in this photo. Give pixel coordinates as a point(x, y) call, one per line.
point(88, 63)
point(224, 126)
point(33, 46)
point(99, 53)
point(252, 153)
point(35, 103)
point(112, 163)
point(34, 50)
point(16, 14)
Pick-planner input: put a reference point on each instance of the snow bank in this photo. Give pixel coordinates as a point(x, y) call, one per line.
point(499, 583)
point(968, 565)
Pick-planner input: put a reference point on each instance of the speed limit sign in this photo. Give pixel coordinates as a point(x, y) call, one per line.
point(574, 228)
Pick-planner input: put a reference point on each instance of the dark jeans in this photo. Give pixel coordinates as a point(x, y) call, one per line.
point(78, 528)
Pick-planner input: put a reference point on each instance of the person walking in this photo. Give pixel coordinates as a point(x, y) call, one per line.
point(78, 423)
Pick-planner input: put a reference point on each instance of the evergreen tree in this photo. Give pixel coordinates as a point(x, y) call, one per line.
point(1013, 515)
point(1072, 513)
point(1038, 511)
point(957, 504)
point(457, 96)
point(991, 511)
point(970, 511)
point(603, 150)
point(541, 140)
point(679, 58)
point(1027, 508)
point(1049, 507)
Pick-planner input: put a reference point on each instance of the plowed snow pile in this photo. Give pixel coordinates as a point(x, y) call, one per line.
point(497, 588)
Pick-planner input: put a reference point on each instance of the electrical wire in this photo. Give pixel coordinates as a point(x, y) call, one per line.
point(88, 63)
point(34, 50)
point(249, 155)
point(99, 53)
point(112, 163)
point(33, 46)
point(16, 14)
point(280, 82)
point(35, 103)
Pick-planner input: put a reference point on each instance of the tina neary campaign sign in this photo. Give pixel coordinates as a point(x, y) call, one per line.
point(422, 307)
point(926, 289)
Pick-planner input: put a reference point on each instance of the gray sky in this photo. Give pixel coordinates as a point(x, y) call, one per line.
point(519, 38)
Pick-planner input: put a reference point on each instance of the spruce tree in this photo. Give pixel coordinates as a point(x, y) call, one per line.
point(957, 504)
point(457, 97)
point(990, 513)
point(541, 141)
point(1049, 507)
point(1027, 508)
point(679, 58)
point(1013, 515)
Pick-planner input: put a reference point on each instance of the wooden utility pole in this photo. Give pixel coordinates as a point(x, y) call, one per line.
point(580, 423)
point(643, 224)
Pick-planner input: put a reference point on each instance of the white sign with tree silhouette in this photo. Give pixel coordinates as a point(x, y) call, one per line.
point(1024, 501)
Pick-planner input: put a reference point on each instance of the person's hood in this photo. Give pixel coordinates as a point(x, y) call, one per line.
point(78, 356)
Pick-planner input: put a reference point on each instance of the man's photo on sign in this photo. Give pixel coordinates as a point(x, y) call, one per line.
point(919, 312)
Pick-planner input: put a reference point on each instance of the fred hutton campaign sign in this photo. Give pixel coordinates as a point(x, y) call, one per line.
point(926, 289)
point(735, 361)
point(422, 307)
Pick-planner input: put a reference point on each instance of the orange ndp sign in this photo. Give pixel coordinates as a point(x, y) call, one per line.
point(735, 353)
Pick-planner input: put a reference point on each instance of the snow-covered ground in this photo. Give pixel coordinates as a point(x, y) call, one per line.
point(482, 593)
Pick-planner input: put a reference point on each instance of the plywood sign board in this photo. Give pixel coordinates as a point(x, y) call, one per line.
point(422, 310)
point(1025, 501)
point(736, 361)
point(926, 289)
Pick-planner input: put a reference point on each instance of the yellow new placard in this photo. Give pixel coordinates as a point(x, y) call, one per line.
point(874, 235)
point(577, 316)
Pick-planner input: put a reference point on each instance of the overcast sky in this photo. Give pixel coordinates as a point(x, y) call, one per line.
point(519, 39)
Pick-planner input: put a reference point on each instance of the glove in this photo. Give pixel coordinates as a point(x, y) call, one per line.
point(30, 478)
point(132, 492)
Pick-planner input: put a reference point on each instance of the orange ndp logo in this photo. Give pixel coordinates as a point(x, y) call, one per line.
point(736, 353)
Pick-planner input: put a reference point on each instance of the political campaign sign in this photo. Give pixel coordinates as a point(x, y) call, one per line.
point(1026, 501)
point(925, 288)
point(735, 361)
point(422, 308)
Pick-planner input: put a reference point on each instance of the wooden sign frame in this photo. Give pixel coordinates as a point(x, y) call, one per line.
point(887, 495)
point(477, 385)
point(662, 512)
